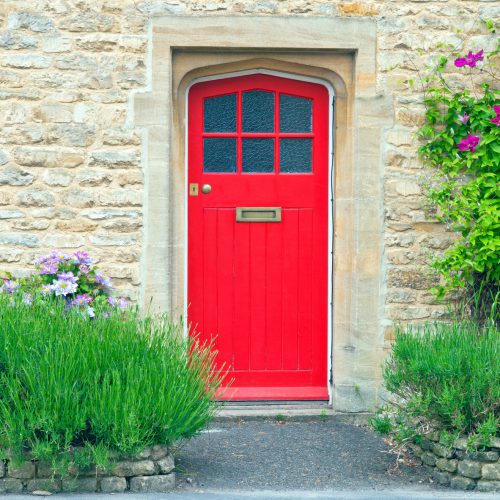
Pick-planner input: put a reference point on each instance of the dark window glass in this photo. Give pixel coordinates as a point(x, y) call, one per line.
point(219, 155)
point(258, 155)
point(295, 114)
point(296, 155)
point(258, 111)
point(219, 114)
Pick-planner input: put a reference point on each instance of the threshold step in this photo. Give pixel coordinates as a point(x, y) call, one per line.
point(290, 411)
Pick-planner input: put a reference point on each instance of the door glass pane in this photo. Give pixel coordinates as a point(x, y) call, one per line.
point(258, 155)
point(296, 155)
point(219, 113)
point(295, 114)
point(258, 111)
point(219, 155)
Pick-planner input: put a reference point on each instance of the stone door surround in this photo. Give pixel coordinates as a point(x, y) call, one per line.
point(339, 51)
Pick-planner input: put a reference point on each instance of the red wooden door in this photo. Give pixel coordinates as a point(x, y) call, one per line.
point(259, 285)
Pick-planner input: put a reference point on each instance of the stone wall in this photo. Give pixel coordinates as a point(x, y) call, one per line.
point(150, 471)
point(456, 467)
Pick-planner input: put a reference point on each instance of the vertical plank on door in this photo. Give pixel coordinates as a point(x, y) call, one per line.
point(225, 276)
point(258, 295)
point(290, 287)
point(305, 274)
point(241, 332)
point(274, 258)
point(210, 276)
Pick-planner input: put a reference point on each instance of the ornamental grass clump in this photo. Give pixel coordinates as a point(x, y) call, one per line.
point(117, 382)
point(445, 377)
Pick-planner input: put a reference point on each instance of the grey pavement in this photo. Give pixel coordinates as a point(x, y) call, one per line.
point(406, 494)
point(315, 454)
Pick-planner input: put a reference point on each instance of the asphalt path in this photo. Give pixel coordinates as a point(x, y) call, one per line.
point(312, 455)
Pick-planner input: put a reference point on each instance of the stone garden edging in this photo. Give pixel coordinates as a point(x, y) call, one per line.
point(458, 468)
point(151, 470)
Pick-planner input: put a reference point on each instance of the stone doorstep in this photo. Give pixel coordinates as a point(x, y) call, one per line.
point(292, 412)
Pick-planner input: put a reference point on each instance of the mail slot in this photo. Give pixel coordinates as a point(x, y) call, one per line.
point(258, 214)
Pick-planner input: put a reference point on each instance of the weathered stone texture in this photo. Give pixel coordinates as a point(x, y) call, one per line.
point(23, 471)
point(9, 485)
point(39, 478)
point(491, 472)
point(113, 484)
point(80, 484)
point(142, 468)
point(468, 469)
point(146, 484)
point(51, 485)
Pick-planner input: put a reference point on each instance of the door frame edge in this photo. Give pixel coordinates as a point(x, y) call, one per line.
point(331, 199)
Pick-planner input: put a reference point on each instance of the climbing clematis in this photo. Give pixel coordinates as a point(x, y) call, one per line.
point(469, 143)
point(470, 59)
point(496, 120)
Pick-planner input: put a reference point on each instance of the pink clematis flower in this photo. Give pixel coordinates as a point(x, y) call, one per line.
point(496, 120)
point(463, 118)
point(470, 59)
point(469, 143)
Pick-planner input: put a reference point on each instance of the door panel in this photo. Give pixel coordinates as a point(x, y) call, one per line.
point(260, 288)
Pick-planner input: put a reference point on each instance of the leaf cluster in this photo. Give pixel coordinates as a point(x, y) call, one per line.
point(464, 191)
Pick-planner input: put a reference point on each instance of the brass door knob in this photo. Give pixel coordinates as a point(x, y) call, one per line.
point(206, 188)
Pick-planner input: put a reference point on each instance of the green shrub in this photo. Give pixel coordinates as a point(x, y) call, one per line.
point(446, 377)
point(119, 382)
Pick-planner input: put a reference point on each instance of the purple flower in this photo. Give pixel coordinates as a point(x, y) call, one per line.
point(122, 303)
point(90, 312)
point(82, 258)
point(28, 299)
point(49, 268)
point(496, 120)
point(46, 290)
point(9, 286)
point(84, 269)
point(463, 118)
point(82, 300)
point(103, 280)
point(469, 60)
point(469, 143)
point(69, 277)
point(57, 256)
point(63, 287)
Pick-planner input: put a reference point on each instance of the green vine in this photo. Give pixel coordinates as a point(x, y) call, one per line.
point(461, 142)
